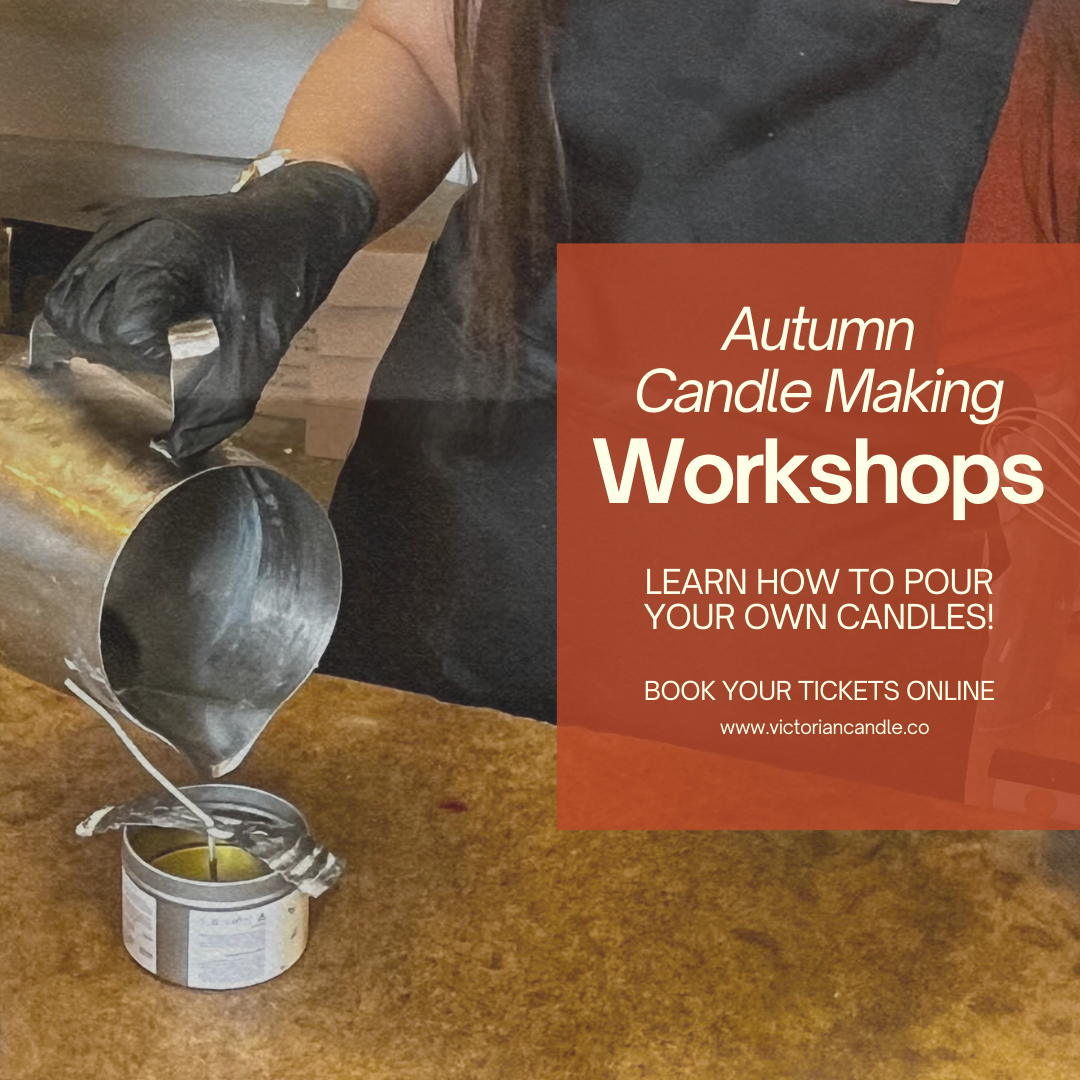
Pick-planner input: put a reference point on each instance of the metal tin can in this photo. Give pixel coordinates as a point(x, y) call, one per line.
point(244, 928)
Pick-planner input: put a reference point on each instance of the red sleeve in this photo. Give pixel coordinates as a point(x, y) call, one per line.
point(1029, 193)
point(1030, 188)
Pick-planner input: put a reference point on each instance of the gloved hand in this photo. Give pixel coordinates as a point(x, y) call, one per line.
point(258, 262)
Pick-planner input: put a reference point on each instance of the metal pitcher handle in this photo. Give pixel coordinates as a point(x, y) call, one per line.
point(187, 341)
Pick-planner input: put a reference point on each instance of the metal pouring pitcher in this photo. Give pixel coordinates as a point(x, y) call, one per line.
point(193, 598)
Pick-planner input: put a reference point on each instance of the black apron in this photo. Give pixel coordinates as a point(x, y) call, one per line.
point(702, 122)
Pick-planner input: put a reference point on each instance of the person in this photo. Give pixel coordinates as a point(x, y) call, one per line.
point(723, 121)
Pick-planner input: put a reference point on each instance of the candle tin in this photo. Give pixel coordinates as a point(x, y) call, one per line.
point(240, 930)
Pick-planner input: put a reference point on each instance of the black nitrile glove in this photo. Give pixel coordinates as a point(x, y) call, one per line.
point(258, 262)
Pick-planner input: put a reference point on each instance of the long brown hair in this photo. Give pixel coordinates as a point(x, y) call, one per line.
point(517, 208)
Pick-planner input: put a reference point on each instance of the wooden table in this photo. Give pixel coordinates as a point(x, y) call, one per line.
point(470, 938)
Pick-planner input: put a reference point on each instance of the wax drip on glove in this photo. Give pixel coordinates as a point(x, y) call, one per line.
point(257, 261)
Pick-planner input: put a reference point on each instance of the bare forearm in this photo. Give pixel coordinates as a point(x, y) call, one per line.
point(382, 99)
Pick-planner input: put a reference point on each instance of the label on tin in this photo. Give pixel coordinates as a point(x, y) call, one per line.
point(140, 923)
point(231, 949)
